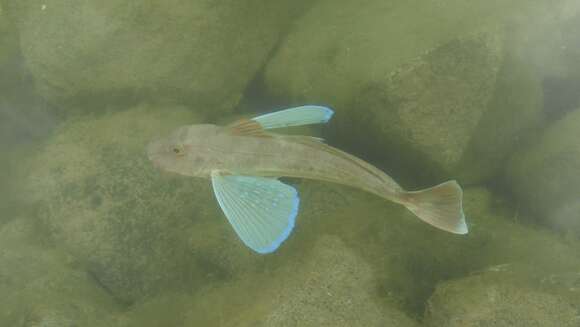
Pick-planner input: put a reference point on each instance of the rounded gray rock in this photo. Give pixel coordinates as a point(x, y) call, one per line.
point(41, 286)
point(489, 299)
point(136, 230)
point(432, 88)
point(544, 176)
point(202, 53)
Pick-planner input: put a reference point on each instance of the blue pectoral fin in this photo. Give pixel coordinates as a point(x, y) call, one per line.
point(304, 115)
point(261, 210)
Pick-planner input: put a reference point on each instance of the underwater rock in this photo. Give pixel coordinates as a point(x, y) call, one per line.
point(327, 285)
point(40, 286)
point(458, 110)
point(8, 39)
point(562, 83)
point(202, 53)
point(360, 42)
point(552, 49)
point(168, 309)
point(544, 176)
point(491, 299)
point(433, 88)
point(136, 230)
point(24, 116)
point(354, 259)
point(333, 287)
point(410, 257)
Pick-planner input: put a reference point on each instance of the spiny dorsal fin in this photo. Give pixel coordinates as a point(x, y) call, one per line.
point(247, 127)
point(298, 116)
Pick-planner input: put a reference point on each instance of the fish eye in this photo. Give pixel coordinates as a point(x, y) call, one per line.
point(178, 150)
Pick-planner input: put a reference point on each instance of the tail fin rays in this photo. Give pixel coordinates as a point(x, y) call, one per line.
point(440, 206)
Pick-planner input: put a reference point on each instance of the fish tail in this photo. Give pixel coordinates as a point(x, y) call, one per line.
point(440, 206)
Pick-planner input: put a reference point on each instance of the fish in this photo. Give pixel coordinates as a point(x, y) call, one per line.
point(245, 159)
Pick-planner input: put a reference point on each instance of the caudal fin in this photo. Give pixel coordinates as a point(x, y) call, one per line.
point(440, 206)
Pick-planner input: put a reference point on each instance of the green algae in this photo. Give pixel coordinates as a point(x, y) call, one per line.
point(110, 241)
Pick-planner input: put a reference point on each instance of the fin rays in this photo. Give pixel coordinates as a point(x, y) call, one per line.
point(304, 115)
point(440, 206)
point(261, 210)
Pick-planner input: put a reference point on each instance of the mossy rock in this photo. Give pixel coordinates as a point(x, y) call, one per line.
point(545, 179)
point(431, 89)
point(327, 285)
point(498, 297)
point(135, 229)
point(410, 257)
point(41, 286)
point(362, 42)
point(8, 39)
point(451, 112)
point(334, 287)
point(558, 58)
point(91, 54)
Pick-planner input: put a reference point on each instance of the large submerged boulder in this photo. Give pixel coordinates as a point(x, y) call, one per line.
point(328, 285)
point(42, 286)
point(410, 257)
point(23, 117)
point(201, 53)
point(135, 229)
point(544, 176)
point(333, 287)
point(434, 88)
point(8, 39)
point(554, 50)
point(498, 297)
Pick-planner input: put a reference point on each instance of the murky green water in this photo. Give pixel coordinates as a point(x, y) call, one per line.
point(483, 92)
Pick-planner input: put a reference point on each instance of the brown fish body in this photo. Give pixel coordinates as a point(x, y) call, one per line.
point(244, 149)
point(206, 148)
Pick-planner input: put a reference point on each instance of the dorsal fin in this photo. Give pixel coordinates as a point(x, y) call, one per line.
point(298, 116)
point(247, 127)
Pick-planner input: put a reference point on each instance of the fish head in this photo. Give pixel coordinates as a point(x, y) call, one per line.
point(184, 151)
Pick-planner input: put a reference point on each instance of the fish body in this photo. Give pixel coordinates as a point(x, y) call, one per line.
point(207, 148)
point(244, 160)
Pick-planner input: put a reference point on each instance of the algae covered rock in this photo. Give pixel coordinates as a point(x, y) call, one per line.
point(334, 287)
point(410, 257)
point(328, 285)
point(544, 176)
point(429, 86)
point(556, 54)
point(8, 39)
point(360, 42)
point(22, 114)
point(135, 229)
point(168, 309)
point(201, 52)
point(24, 119)
point(493, 299)
point(355, 261)
point(40, 286)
